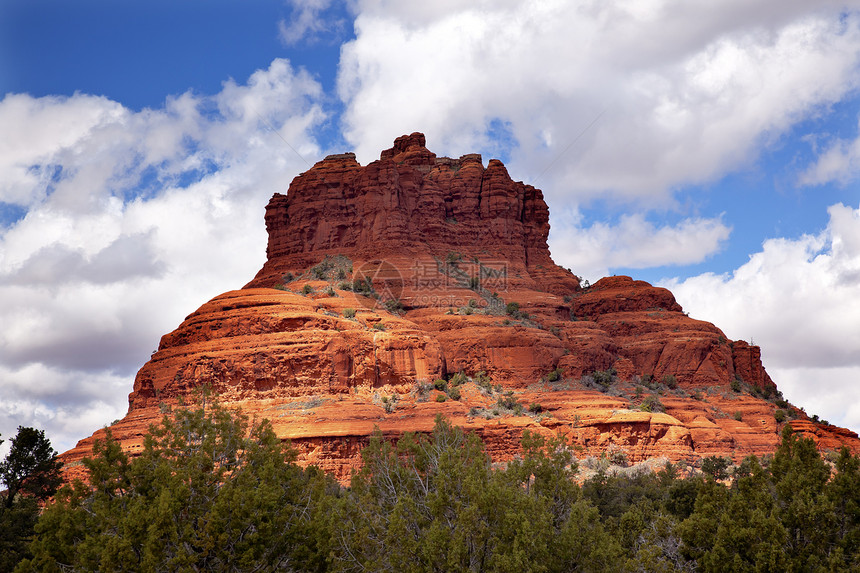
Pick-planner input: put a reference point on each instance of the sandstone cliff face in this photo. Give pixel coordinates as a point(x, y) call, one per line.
point(385, 278)
point(408, 202)
point(255, 342)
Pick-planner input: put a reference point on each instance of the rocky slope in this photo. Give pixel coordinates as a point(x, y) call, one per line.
point(419, 285)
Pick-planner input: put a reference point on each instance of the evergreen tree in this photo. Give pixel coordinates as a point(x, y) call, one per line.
point(31, 467)
point(659, 549)
point(749, 536)
point(681, 496)
point(799, 478)
point(206, 494)
point(699, 530)
point(31, 474)
point(435, 504)
point(211, 492)
point(843, 492)
point(579, 541)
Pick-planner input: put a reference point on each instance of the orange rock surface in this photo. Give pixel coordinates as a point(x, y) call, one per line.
point(382, 279)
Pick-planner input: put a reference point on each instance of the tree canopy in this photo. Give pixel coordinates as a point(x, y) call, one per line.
point(30, 473)
point(213, 492)
point(209, 492)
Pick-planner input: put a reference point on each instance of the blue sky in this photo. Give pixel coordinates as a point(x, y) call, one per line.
point(709, 147)
point(138, 53)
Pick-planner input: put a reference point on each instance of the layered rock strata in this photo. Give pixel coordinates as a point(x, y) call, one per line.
point(420, 285)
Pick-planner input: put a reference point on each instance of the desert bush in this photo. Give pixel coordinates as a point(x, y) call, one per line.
point(349, 312)
point(458, 378)
point(441, 397)
point(652, 404)
point(617, 456)
point(670, 381)
point(482, 380)
point(307, 289)
point(394, 306)
point(779, 416)
point(600, 379)
point(389, 403)
point(321, 269)
point(362, 285)
point(604, 377)
point(422, 390)
point(508, 401)
point(454, 393)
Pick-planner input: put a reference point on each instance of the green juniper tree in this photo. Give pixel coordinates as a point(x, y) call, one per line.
point(434, 503)
point(212, 492)
point(31, 475)
point(578, 540)
point(800, 478)
point(749, 536)
point(208, 493)
point(843, 492)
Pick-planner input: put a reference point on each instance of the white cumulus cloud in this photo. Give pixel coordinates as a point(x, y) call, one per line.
point(633, 242)
point(310, 19)
point(132, 220)
point(838, 161)
point(684, 91)
point(799, 299)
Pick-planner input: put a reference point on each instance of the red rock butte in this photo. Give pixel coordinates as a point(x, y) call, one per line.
point(420, 285)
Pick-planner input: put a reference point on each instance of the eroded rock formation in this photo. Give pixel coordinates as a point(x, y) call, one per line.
point(383, 279)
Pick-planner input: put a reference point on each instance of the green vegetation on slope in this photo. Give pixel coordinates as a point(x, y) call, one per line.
point(212, 492)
